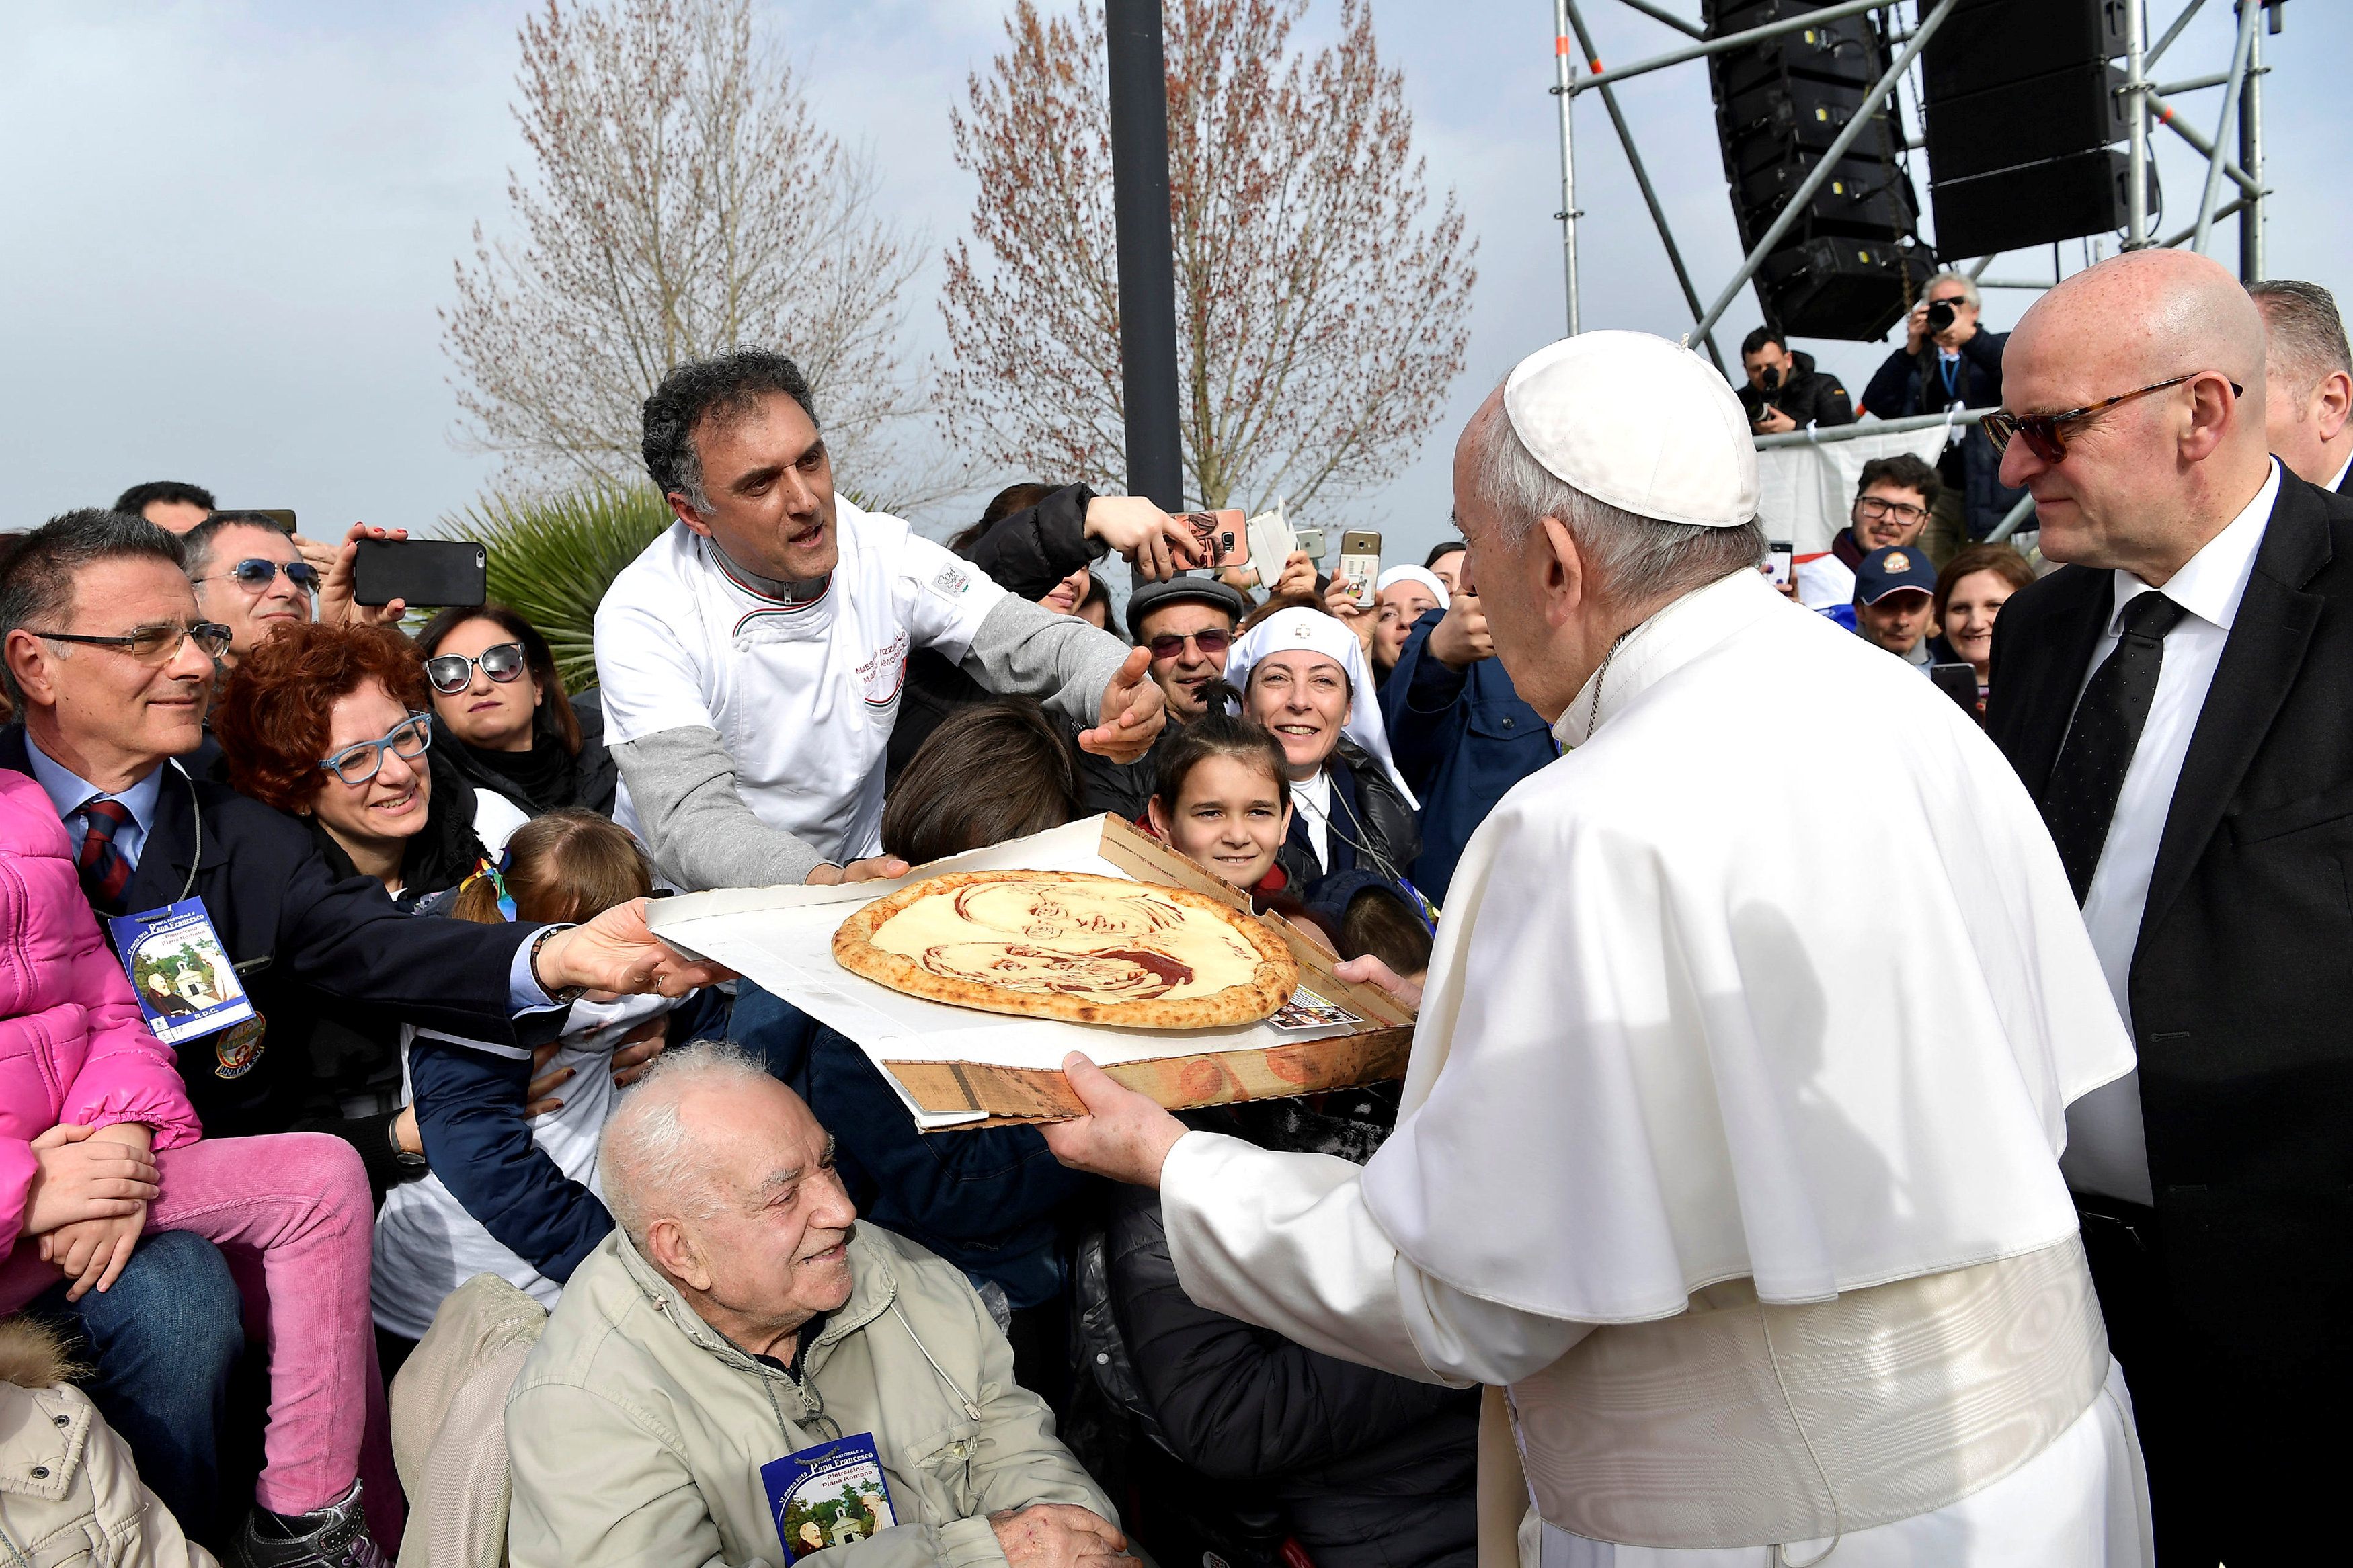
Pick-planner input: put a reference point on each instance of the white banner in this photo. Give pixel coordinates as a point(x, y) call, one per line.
point(1805, 493)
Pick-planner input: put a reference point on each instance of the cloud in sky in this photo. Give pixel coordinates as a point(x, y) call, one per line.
point(232, 222)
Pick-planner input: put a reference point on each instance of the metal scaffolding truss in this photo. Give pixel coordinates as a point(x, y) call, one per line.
point(2149, 103)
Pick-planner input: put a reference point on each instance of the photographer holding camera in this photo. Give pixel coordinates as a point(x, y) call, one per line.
point(1946, 359)
point(1785, 392)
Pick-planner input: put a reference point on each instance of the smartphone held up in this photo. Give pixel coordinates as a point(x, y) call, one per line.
point(439, 573)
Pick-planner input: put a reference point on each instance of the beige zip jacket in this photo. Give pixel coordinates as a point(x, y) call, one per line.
point(70, 1496)
point(637, 1432)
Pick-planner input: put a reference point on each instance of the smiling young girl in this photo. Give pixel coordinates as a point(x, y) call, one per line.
point(1223, 795)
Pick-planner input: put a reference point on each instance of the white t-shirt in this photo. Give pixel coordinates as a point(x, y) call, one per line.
point(803, 694)
point(426, 1245)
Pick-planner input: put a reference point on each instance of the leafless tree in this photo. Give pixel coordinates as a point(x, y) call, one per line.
point(1321, 320)
point(683, 203)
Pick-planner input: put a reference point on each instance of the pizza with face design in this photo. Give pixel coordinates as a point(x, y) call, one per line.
point(1062, 944)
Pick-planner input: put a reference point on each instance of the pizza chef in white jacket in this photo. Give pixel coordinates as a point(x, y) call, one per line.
point(1735, 1178)
point(750, 660)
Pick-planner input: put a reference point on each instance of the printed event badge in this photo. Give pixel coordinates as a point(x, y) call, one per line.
point(182, 975)
point(828, 1495)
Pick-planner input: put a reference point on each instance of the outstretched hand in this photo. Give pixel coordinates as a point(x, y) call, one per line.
point(616, 951)
point(1156, 544)
point(1132, 712)
point(1123, 1135)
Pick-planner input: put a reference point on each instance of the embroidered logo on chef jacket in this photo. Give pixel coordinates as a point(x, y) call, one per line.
point(884, 674)
point(953, 582)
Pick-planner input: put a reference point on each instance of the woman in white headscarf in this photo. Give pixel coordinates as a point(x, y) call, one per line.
point(1304, 676)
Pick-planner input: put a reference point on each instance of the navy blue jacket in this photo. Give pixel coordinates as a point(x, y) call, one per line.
point(297, 933)
point(477, 1139)
point(1462, 739)
point(985, 1200)
point(1907, 384)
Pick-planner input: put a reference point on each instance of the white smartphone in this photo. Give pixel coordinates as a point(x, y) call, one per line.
point(1780, 562)
point(1311, 540)
point(1360, 563)
point(1272, 542)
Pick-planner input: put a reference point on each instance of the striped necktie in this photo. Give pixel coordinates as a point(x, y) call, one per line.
point(105, 869)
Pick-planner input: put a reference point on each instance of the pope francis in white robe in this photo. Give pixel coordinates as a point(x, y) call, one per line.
point(1729, 1143)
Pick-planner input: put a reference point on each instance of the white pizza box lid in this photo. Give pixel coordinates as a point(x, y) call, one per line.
point(782, 938)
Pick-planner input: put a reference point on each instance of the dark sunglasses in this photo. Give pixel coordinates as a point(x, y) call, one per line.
point(451, 673)
point(2045, 435)
point(257, 574)
point(1211, 643)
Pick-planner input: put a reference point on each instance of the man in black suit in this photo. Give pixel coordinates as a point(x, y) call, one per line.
point(2310, 391)
point(110, 666)
point(2179, 699)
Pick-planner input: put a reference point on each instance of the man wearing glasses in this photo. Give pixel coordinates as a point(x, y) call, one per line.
point(2177, 699)
point(248, 577)
point(1187, 624)
point(110, 664)
point(1947, 360)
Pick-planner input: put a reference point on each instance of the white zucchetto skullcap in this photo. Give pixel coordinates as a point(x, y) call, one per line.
point(1639, 423)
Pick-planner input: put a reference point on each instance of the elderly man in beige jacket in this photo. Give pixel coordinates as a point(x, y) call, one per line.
point(740, 1366)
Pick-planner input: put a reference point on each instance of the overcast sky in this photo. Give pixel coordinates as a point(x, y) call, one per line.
point(231, 223)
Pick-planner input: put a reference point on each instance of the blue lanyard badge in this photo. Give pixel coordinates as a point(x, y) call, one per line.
point(828, 1495)
point(179, 970)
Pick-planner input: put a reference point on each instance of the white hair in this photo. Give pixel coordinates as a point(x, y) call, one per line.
point(1639, 560)
point(1968, 287)
point(646, 1158)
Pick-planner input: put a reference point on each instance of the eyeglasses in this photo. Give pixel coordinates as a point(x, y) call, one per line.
point(451, 673)
point(2045, 435)
point(359, 763)
point(257, 574)
point(157, 645)
point(1875, 508)
point(1210, 643)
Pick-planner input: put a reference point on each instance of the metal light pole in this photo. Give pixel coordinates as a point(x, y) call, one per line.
point(2250, 159)
point(2137, 124)
point(1147, 266)
point(1564, 70)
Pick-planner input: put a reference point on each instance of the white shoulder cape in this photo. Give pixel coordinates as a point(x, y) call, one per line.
point(1777, 974)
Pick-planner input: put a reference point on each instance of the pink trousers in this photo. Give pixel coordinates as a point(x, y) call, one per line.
point(291, 1215)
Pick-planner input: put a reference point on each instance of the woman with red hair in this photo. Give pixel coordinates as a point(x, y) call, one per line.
point(334, 724)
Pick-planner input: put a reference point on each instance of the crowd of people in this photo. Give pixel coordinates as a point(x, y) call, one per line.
point(374, 1183)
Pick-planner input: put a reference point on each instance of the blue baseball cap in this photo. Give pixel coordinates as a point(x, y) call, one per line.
point(1890, 570)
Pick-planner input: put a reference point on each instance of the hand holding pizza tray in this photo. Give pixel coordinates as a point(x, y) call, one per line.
point(969, 981)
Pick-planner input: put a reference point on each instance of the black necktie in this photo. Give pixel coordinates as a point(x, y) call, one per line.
point(2082, 796)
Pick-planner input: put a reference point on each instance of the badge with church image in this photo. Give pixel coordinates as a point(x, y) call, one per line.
point(180, 973)
point(828, 1495)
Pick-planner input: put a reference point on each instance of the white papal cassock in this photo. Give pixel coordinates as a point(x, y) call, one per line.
point(1731, 1133)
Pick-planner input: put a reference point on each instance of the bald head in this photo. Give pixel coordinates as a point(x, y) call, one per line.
point(664, 1152)
point(2145, 316)
point(2143, 484)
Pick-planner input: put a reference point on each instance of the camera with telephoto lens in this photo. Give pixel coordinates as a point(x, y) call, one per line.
point(1940, 315)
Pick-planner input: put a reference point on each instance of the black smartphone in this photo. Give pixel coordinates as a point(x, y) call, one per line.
point(1959, 682)
point(420, 572)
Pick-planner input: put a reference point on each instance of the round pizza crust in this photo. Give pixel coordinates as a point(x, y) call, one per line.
point(1275, 975)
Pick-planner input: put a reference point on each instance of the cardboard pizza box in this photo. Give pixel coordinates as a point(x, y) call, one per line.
point(958, 1068)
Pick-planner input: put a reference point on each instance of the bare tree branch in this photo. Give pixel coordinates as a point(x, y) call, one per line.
point(682, 202)
point(1323, 312)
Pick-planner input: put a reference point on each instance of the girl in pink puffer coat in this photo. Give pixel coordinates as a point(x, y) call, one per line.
point(99, 1147)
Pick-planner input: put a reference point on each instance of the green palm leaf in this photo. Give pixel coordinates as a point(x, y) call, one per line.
point(552, 559)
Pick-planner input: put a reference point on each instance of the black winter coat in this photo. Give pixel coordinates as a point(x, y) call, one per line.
point(290, 926)
point(1026, 554)
point(1367, 806)
point(1909, 384)
point(549, 778)
point(1372, 1470)
point(1809, 396)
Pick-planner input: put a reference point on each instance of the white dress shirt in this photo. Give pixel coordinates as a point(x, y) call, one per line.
point(2339, 482)
point(2107, 1152)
